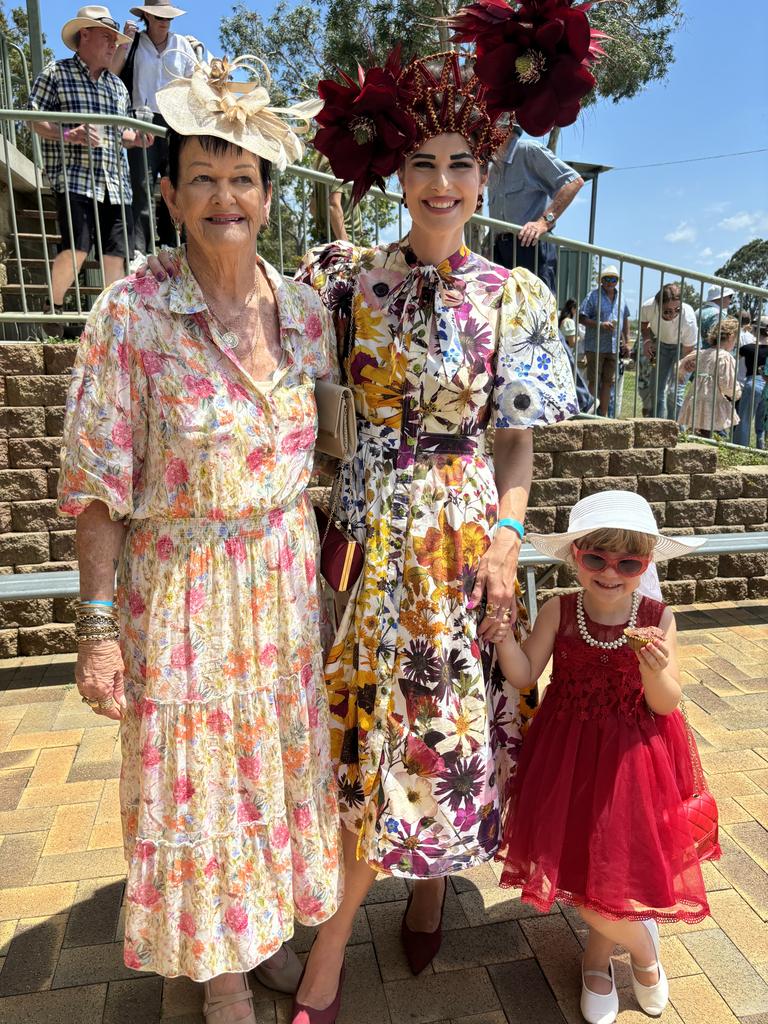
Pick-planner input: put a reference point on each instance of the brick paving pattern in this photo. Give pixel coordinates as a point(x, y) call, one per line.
point(61, 878)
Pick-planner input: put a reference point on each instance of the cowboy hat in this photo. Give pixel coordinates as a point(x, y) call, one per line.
point(609, 271)
point(157, 9)
point(92, 16)
point(612, 510)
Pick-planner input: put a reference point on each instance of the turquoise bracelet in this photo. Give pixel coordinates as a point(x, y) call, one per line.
point(108, 604)
point(514, 524)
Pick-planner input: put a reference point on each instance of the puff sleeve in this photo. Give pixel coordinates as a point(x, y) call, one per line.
point(105, 424)
point(534, 380)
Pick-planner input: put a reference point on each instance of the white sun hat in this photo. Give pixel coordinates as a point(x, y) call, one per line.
point(715, 292)
point(612, 510)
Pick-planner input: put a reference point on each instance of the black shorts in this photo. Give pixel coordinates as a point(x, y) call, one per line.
point(84, 225)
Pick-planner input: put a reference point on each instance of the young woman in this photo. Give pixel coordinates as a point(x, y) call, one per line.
point(439, 345)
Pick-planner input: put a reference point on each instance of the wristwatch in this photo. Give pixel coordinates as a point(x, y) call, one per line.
point(550, 219)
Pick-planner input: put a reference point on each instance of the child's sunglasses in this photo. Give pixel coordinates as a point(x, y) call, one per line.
point(624, 565)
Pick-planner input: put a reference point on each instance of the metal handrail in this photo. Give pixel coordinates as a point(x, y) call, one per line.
point(580, 264)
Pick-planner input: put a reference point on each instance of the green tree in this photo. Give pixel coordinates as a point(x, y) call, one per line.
point(15, 28)
point(750, 265)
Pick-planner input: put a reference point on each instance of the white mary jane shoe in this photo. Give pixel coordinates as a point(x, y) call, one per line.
point(595, 1007)
point(652, 998)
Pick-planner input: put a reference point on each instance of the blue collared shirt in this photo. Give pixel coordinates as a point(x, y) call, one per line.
point(522, 183)
point(609, 310)
point(67, 85)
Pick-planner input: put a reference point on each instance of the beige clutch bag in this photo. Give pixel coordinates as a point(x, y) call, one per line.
point(336, 424)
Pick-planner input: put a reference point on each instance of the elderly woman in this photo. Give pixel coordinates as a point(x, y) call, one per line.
point(188, 445)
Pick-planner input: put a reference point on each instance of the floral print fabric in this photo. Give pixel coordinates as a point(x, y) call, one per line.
point(423, 727)
point(229, 811)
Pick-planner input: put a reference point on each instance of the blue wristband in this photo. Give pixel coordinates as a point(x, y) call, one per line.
point(514, 524)
point(108, 604)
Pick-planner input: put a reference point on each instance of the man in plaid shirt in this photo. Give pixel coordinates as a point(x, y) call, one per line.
point(86, 165)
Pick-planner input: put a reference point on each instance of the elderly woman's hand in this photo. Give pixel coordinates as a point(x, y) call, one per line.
point(99, 676)
point(162, 266)
point(496, 577)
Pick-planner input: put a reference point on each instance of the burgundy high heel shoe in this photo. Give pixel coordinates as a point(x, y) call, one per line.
point(421, 948)
point(301, 1014)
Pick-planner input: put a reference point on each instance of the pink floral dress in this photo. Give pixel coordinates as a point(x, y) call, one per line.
point(229, 807)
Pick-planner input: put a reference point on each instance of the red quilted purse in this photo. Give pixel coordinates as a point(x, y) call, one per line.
point(700, 808)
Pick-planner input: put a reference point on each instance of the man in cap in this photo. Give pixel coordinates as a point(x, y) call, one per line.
point(151, 59)
point(713, 310)
point(606, 318)
point(85, 164)
point(529, 185)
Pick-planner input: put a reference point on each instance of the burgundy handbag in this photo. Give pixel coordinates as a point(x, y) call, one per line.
point(700, 808)
point(341, 557)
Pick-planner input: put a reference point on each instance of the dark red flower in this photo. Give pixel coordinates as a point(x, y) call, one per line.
point(365, 131)
point(533, 57)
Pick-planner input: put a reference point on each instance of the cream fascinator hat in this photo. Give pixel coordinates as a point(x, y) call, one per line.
point(209, 103)
point(612, 510)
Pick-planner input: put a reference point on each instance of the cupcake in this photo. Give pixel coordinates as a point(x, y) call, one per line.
point(639, 636)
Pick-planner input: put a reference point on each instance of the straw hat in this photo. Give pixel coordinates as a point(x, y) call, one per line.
point(92, 16)
point(609, 271)
point(612, 510)
point(157, 9)
point(209, 103)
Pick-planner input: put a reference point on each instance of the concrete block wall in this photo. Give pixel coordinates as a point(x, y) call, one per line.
point(33, 538)
point(687, 492)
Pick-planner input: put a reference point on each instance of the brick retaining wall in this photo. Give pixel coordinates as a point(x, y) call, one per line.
point(573, 459)
point(33, 538)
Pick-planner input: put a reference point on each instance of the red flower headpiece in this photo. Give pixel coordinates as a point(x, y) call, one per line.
point(530, 66)
point(365, 127)
point(534, 57)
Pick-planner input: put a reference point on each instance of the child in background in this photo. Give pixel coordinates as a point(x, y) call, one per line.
point(714, 385)
point(595, 817)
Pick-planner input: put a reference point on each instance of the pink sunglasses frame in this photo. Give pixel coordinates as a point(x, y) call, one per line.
point(612, 562)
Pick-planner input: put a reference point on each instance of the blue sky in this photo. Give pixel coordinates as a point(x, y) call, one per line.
point(714, 101)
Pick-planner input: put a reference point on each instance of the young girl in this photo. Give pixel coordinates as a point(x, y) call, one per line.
point(714, 387)
point(595, 817)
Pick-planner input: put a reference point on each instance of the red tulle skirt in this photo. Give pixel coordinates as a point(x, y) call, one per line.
point(596, 817)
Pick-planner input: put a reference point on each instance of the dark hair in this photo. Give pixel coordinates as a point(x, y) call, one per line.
point(669, 291)
point(568, 310)
point(211, 144)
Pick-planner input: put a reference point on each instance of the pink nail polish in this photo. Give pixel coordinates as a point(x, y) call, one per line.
point(471, 603)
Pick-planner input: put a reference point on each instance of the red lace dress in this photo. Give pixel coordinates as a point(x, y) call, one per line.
point(595, 817)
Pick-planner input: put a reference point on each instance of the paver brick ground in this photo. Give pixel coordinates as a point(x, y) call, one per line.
point(62, 881)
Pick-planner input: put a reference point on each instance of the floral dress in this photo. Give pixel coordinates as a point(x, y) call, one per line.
point(230, 816)
point(421, 722)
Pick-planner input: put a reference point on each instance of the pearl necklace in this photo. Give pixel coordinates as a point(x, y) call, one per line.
point(606, 645)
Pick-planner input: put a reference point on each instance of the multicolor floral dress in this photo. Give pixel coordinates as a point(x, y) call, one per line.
point(421, 721)
point(230, 816)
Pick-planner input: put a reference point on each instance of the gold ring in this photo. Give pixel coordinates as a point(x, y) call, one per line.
point(91, 702)
point(490, 609)
point(108, 702)
point(507, 616)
